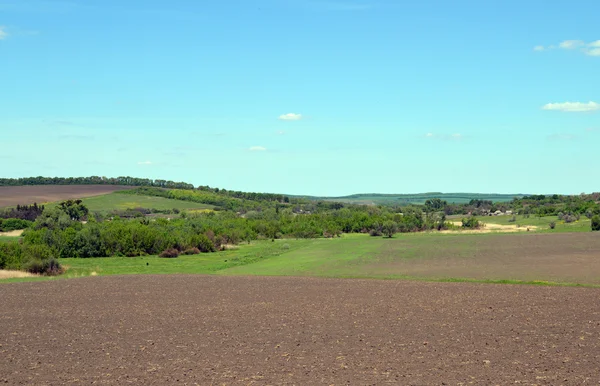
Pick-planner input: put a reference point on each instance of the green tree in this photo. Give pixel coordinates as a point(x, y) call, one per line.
point(389, 228)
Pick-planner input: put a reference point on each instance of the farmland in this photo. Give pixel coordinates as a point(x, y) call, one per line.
point(41, 194)
point(191, 329)
point(115, 201)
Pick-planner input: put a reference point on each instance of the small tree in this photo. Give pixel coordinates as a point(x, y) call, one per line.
point(552, 225)
point(470, 222)
point(389, 228)
point(596, 223)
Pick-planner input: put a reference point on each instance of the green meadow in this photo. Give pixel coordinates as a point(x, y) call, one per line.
point(115, 201)
point(533, 258)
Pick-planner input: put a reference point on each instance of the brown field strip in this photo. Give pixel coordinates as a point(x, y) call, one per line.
point(253, 330)
point(26, 195)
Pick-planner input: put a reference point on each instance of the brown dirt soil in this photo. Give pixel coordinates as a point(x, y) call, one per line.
point(237, 330)
point(26, 195)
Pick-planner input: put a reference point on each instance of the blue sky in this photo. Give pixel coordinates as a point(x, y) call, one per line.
point(305, 96)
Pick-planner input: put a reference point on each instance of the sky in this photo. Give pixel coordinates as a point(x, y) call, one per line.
point(319, 97)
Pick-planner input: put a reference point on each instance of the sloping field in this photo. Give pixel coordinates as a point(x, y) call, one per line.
point(26, 195)
point(110, 202)
point(529, 257)
point(254, 330)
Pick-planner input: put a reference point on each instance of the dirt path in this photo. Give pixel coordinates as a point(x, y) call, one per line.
point(236, 330)
point(16, 233)
point(491, 227)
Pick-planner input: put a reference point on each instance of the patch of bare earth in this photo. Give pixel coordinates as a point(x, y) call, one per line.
point(491, 227)
point(16, 233)
point(6, 274)
point(26, 195)
point(251, 330)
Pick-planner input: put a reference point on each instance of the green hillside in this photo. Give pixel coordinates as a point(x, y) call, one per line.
point(418, 198)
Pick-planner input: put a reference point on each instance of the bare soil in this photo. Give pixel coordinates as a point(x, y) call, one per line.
point(27, 195)
point(159, 330)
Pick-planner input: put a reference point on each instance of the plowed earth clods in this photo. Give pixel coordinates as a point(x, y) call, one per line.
point(236, 330)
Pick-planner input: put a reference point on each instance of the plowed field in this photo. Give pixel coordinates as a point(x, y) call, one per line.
point(183, 329)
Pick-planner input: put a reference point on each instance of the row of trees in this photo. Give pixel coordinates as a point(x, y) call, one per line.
point(23, 212)
point(94, 180)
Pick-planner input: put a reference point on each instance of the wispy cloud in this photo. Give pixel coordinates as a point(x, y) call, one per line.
point(145, 163)
point(280, 132)
point(290, 117)
point(258, 148)
point(589, 48)
point(572, 107)
point(3, 33)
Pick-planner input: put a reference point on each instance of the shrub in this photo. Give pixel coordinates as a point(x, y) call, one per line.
point(596, 223)
point(191, 251)
point(11, 256)
point(470, 222)
point(169, 253)
point(375, 232)
point(48, 267)
point(13, 224)
point(512, 219)
point(552, 225)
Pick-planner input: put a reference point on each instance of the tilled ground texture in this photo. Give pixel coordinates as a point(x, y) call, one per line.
point(236, 330)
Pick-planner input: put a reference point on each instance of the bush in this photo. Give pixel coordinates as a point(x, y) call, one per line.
point(470, 222)
point(169, 253)
point(552, 225)
point(512, 219)
point(48, 267)
point(191, 251)
point(596, 223)
point(13, 224)
point(11, 256)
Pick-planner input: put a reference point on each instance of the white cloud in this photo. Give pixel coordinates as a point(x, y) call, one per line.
point(457, 136)
point(591, 48)
point(281, 132)
point(258, 148)
point(290, 117)
point(3, 33)
point(572, 107)
point(571, 44)
point(429, 135)
point(145, 163)
point(592, 52)
point(594, 44)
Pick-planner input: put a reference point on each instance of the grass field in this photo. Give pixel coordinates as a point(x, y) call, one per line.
point(6, 239)
point(562, 258)
point(41, 194)
point(110, 202)
point(542, 223)
point(417, 199)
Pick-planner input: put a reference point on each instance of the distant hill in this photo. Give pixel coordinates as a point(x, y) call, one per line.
point(417, 199)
